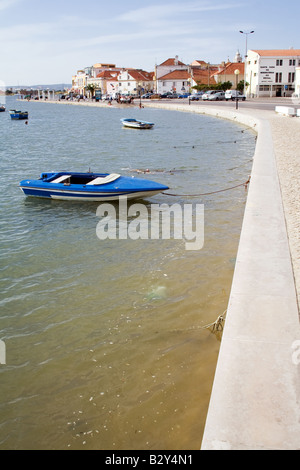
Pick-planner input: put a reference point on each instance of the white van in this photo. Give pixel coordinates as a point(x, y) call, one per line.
point(233, 95)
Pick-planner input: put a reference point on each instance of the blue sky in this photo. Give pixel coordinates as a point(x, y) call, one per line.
point(47, 42)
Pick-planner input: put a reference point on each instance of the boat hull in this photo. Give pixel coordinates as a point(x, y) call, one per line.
point(81, 196)
point(18, 115)
point(97, 187)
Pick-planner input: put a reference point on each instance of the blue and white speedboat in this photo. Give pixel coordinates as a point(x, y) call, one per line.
point(14, 114)
point(90, 186)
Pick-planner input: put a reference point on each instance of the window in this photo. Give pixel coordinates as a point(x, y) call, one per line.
point(291, 77)
point(279, 62)
point(264, 87)
point(278, 78)
point(292, 62)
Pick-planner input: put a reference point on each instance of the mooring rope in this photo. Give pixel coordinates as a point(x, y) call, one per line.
point(217, 325)
point(213, 192)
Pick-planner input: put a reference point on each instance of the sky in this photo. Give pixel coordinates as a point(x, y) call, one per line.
point(43, 42)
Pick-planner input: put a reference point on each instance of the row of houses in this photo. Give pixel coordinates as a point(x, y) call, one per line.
point(264, 72)
point(171, 75)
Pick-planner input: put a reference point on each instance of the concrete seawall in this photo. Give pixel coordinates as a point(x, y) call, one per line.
point(255, 397)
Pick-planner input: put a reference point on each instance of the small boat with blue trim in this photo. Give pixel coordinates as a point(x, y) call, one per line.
point(2, 108)
point(136, 124)
point(73, 186)
point(14, 114)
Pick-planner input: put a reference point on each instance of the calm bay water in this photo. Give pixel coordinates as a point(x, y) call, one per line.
point(104, 341)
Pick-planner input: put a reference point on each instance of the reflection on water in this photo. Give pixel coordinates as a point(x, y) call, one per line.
point(104, 341)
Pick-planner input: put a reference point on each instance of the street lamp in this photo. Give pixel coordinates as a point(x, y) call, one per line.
point(246, 55)
point(236, 73)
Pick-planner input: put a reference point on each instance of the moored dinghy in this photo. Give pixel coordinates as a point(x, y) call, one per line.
point(14, 114)
point(136, 124)
point(74, 186)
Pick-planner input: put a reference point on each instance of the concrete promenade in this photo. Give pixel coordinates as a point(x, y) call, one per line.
point(255, 398)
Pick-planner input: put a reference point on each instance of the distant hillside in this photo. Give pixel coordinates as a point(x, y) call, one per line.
point(57, 86)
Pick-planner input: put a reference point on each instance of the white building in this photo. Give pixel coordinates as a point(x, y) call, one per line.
point(272, 72)
point(297, 82)
point(135, 82)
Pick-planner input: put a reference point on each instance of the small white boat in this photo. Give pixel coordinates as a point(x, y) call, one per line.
point(136, 124)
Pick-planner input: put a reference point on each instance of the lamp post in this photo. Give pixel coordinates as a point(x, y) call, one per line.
point(246, 55)
point(236, 73)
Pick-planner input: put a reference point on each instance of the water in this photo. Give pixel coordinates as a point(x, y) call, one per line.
point(104, 341)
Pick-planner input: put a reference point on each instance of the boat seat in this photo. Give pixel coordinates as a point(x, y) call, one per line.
point(105, 179)
point(61, 179)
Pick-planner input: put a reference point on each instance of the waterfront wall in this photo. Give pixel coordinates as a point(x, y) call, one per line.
point(254, 403)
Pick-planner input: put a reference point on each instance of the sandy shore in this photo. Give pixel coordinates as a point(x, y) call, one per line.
point(286, 139)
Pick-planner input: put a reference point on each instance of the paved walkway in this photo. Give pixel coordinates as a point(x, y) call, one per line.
point(286, 139)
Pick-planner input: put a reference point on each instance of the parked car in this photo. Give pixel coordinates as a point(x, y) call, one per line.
point(184, 95)
point(233, 95)
point(168, 94)
point(146, 95)
point(220, 95)
point(196, 96)
point(206, 95)
point(125, 99)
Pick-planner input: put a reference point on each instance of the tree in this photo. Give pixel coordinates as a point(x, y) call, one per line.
point(225, 86)
point(91, 87)
point(241, 85)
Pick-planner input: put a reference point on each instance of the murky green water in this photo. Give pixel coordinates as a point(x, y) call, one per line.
point(104, 341)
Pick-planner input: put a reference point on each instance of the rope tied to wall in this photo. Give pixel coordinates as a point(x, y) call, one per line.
point(212, 192)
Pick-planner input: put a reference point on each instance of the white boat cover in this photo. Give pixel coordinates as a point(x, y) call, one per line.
point(105, 179)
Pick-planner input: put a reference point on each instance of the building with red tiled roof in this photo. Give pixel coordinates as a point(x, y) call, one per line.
point(203, 75)
point(172, 62)
point(135, 81)
point(177, 81)
point(272, 72)
point(231, 72)
point(169, 66)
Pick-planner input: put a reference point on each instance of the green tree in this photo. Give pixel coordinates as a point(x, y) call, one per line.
point(241, 84)
point(225, 86)
point(91, 87)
